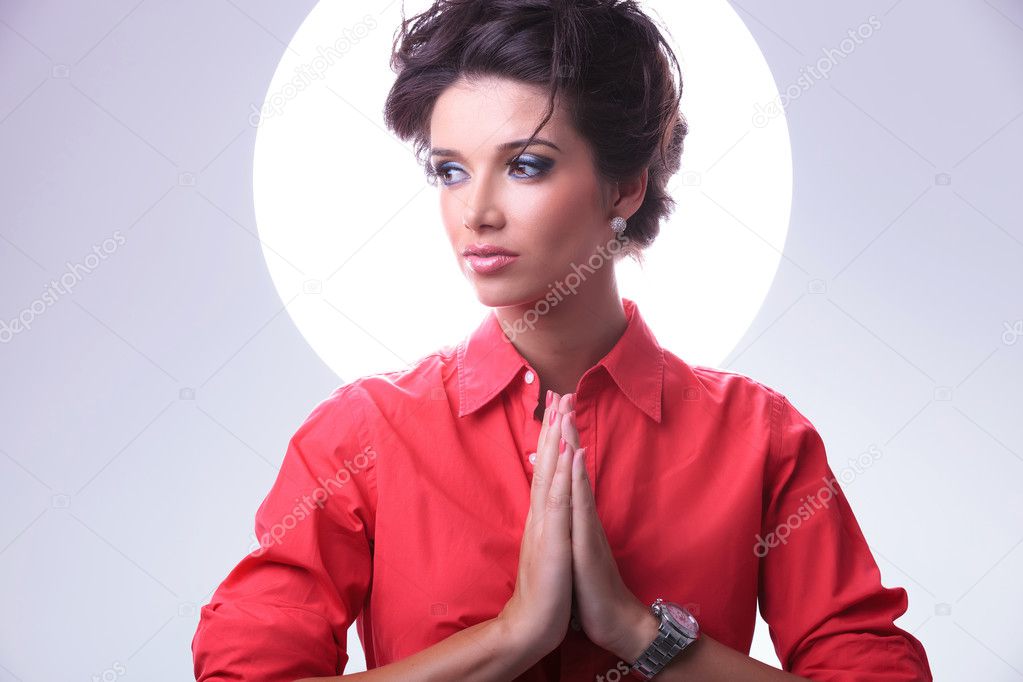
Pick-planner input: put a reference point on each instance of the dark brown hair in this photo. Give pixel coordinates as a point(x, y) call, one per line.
point(604, 56)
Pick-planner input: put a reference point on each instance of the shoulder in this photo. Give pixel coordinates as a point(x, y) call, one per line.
point(721, 387)
point(394, 392)
point(791, 430)
point(752, 406)
point(737, 400)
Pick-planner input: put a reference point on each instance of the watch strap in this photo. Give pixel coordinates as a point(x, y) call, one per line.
point(668, 644)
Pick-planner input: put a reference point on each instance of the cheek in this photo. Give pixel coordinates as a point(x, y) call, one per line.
point(450, 216)
point(570, 216)
point(566, 209)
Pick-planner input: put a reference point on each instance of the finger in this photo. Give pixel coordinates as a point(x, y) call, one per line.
point(545, 466)
point(568, 428)
point(567, 403)
point(567, 406)
point(558, 506)
point(583, 507)
point(552, 405)
point(589, 540)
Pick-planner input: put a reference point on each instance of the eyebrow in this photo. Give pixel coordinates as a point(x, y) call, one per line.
point(441, 151)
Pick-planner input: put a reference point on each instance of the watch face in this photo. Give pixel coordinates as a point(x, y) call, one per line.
point(684, 619)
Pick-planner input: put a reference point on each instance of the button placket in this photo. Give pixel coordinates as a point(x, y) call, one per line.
point(531, 426)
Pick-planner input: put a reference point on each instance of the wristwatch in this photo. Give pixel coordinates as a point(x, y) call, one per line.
point(677, 630)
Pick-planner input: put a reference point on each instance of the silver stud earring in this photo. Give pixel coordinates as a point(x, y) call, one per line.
point(618, 224)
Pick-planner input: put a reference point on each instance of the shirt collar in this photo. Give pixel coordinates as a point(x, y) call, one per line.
point(487, 362)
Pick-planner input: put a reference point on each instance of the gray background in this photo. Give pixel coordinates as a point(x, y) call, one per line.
point(146, 410)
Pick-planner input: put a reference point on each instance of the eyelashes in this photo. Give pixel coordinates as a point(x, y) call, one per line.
point(540, 166)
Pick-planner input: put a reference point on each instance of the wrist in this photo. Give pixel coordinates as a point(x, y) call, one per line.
point(642, 630)
point(518, 643)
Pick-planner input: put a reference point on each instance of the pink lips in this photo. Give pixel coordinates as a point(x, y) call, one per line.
point(485, 265)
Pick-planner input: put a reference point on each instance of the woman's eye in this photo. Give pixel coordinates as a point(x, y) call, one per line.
point(522, 169)
point(442, 173)
point(521, 164)
point(538, 167)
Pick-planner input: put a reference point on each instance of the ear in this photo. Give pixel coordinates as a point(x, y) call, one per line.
point(627, 196)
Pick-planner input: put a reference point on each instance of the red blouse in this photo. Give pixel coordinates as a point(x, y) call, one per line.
point(401, 500)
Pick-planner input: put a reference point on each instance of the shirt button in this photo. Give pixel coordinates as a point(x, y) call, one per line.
point(532, 458)
point(529, 376)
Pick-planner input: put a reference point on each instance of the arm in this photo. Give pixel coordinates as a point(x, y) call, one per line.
point(829, 616)
point(283, 612)
point(605, 601)
point(535, 619)
point(485, 652)
point(705, 660)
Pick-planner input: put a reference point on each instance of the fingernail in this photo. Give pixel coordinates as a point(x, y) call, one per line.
point(561, 448)
point(571, 418)
point(550, 419)
point(548, 403)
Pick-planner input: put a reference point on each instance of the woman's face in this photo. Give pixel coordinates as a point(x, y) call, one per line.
point(547, 205)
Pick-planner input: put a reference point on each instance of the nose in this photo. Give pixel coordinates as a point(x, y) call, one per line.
point(481, 210)
point(477, 225)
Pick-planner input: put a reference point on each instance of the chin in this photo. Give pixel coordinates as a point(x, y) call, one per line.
point(505, 294)
point(496, 296)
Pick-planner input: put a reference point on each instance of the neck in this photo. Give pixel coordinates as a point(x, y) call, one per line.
point(572, 336)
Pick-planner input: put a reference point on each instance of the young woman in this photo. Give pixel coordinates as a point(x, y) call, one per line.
point(556, 497)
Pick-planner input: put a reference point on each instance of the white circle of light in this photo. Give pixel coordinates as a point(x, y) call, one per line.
point(352, 234)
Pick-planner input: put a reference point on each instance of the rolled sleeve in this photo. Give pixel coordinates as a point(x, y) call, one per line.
point(829, 616)
point(284, 611)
